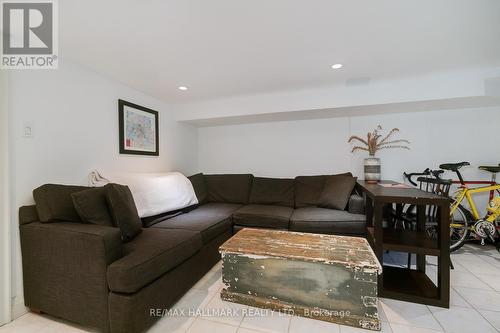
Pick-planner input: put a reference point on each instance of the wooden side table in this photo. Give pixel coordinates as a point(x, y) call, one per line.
point(412, 285)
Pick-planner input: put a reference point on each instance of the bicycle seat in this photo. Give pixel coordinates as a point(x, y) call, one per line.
point(493, 169)
point(453, 166)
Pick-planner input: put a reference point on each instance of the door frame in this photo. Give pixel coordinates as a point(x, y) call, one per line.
point(5, 217)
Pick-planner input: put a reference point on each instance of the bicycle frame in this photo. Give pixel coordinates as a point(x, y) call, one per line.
point(479, 182)
point(467, 193)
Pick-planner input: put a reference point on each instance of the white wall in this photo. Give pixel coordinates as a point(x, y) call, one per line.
point(276, 149)
point(4, 204)
point(74, 114)
point(287, 149)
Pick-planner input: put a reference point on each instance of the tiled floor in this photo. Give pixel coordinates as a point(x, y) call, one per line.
point(475, 306)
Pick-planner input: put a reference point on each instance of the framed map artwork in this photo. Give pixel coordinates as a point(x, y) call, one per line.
point(138, 129)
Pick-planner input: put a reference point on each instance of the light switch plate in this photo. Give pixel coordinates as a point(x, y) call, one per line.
point(28, 129)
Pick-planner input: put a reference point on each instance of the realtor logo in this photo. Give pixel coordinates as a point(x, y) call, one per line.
point(29, 34)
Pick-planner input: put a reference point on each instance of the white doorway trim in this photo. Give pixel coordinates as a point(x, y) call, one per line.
point(5, 218)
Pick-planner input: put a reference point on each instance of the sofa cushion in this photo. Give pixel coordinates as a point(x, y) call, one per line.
point(336, 191)
point(308, 189)
point(54, 202)
point(237, 228)
point(200, 187)
point(209, 223)
point(218, 208)
point(234, 188)
point(92, 207)
point(327, 221)
point(266, 216)
point(152, 220)
point(272, 191)
point(123, 210)
point(150, 255)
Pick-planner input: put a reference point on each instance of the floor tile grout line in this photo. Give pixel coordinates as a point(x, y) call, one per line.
point(489, 285)
point(197, 315)
point(435, 318)
point(462, 296)
point(481, 260)
point(412, 326)
point(472, 272)
point(477, 310)
point(489, 322)
point(473, 306)
point(218, 323)
point(481, 256)
point(217, 293)
point(190, 325)
point(475, 288)
point(498, 330)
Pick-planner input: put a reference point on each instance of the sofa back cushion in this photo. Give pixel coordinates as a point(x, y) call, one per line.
point(92, 207)
point(233, 188)
point(337, 191)
point(54, 202)
point(308, 190)
point(272, 191)
point(200, 187)
point(123, 210)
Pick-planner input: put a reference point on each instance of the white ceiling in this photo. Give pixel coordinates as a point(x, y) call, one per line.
point(221, 48)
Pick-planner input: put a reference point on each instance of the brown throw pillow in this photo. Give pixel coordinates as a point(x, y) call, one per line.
point(200, 187)
point(336, 192)
point(123, 210)
point(308, 189)
point(92, 207)
point(54, 202)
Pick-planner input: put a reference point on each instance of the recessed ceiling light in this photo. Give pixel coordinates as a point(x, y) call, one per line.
point(183, 88)
point(337, 66)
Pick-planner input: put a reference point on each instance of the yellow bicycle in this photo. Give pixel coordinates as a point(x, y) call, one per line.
point(465, 222)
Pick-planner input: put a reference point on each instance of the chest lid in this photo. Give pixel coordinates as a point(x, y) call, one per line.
point(328, 249)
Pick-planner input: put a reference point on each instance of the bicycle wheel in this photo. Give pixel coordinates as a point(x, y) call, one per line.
point(459, 228)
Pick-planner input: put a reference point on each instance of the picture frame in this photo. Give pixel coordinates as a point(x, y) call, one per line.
point(138, 129)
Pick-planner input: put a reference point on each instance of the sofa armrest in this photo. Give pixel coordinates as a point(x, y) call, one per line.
point(356, 204)
point(64, 269)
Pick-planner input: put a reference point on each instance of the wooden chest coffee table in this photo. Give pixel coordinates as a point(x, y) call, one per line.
point(330, 278)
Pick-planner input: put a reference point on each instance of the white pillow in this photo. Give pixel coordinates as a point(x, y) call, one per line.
point(154, 193)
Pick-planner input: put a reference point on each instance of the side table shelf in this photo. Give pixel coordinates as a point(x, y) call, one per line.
point(406, 241)
point(412, 285)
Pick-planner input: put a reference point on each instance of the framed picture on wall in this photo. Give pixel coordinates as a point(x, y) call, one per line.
point(139, 129)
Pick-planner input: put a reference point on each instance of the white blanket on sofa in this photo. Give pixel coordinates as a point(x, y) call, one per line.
point(154, 193)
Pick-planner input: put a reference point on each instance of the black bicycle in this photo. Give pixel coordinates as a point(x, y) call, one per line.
point(426, 173)
point(430, 181)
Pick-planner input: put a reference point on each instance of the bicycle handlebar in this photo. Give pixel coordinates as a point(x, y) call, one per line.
point(408, 176)
point(427, 172)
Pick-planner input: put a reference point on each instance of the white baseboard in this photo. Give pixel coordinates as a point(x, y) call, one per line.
point(18, 308)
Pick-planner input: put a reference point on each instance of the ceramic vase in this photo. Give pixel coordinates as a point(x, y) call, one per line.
point(372, 169)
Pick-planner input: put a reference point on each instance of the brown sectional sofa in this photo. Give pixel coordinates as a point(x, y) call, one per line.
point(84, 273)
